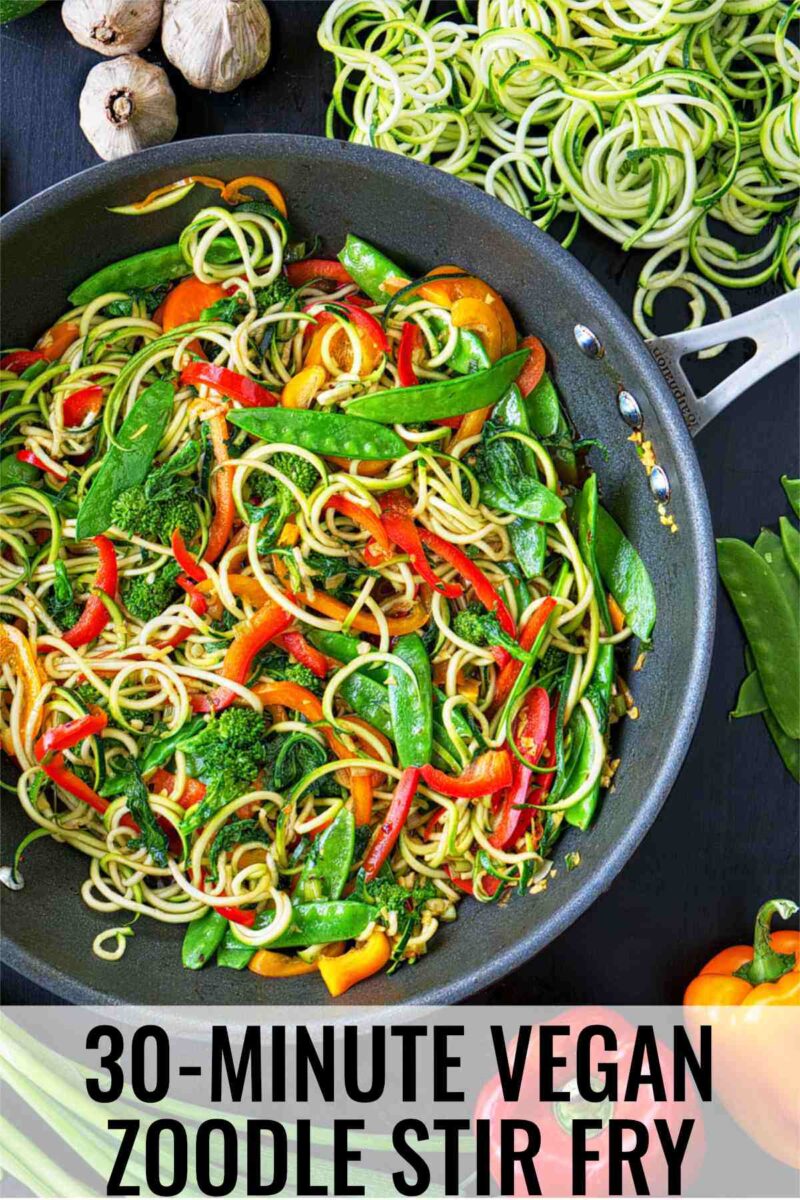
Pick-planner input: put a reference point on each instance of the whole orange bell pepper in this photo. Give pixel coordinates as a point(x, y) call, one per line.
point(751, 997)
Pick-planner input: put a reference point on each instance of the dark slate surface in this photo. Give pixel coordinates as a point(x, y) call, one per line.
point(727, 838)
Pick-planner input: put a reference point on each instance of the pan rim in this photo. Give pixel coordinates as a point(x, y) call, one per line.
point(410, 174)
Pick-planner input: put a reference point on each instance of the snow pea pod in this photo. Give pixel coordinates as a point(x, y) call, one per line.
point(345, 649)
point(148, 270)
point(444, 398)
point(598, 694)
point(327, 867)
point(411, 702)
point(770, 547)
point(369, 700)
point(584, 518)
point(790, 540)
point(128, 460)
point(321, 921)
point(201, 939)
point(625, 575)
point(751, 699)
point(231, 953)
point(547, 420)
point(321, 432)
point(370, 268)
point(792, 489)
point(770, 626)
point(788, 748)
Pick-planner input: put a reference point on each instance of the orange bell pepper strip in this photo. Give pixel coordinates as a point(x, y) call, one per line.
point(294, 695)
point(337, 610)
point(508, 676)
point(751, 997)
point(273, 965)
point(58, 339)
point(359, 963)
point(224, 509)
point(470, 426)
point(232, 192)
point(616, 614)
point(187, 300)
point(331, 269)
point(473, 288)
point(253, 635)
point(164, 781)
point(362, 793)
point(533, 370)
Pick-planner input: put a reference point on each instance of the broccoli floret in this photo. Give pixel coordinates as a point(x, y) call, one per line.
point(226, 755)
point(270, 498)
point(477, 625)
point(60, 599)
point(274, 663)
point(386, 893)
point(88, 695)
point(155, 518)
point(280, 291)
point(147, 595)
point(151, 297)
point(297, 673)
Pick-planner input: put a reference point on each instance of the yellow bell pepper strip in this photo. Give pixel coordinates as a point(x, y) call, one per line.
point(359, 963)
point(18, 653)
point(253, 635)
point(468, 313)
point(473, 288)
point(232, 192)
point(756, 1052)
point(303, 387)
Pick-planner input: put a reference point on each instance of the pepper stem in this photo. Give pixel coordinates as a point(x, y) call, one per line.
point(767, 965)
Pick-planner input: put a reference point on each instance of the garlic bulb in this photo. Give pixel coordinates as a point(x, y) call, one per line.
point(127, 104)
point(216, 44)
point(112, 26)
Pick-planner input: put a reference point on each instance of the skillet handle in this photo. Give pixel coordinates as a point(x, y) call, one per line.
point(774, 327)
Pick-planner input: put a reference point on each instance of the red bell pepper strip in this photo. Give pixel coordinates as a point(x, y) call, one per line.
point(28, 456)
point(64, 737)
point(164, 781)
point(263, 626)
point(95, 617)
point(19, 360)
point(474, 576)
point(186, 561)
point(299, 273)
point(533, 726)
point(239, 916)
point(489, 773)
point(79, 405)
point(219, 531)
point(464, 882)
point(303, 652)
point(401, 529)
point(229, 383)
point(410, 340)
point(533, 370)
point(47, 751)
point(393, 822)
point(365, 321)
point(508, 676)
point(362, 516)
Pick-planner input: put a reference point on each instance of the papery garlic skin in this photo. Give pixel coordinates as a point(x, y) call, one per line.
point(216, 44)
point(126, 105)
point(112, 27)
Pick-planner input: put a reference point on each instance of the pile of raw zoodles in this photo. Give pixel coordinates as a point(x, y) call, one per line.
point(310, 609)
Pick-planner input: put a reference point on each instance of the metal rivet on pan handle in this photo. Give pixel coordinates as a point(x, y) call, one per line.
point(629, 409)
point(588, 342)
point(659, 484)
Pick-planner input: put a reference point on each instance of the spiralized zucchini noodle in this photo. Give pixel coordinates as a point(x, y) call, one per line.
point(672, 127)
point(285, 698)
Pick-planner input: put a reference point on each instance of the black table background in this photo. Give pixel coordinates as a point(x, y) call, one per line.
point(727, 838)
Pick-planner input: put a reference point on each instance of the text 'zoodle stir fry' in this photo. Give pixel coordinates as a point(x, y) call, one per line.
point(309, 606)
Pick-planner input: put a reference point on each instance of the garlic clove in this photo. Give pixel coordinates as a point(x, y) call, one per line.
point(216, 45)
point(126, 105)
point(112, 27)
